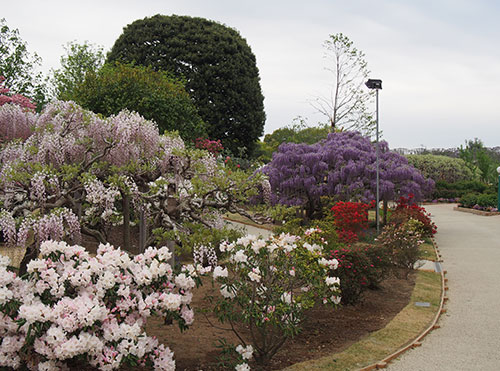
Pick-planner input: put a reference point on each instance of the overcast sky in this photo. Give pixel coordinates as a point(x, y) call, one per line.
point(439, 60)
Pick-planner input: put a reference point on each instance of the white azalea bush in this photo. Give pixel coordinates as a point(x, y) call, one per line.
point(268, 285)
point(71, 308)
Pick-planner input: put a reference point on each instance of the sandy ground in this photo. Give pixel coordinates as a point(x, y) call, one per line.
point(469, 337)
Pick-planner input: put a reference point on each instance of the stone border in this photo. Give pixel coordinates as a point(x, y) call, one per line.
point(476, 212)
point(434, 325)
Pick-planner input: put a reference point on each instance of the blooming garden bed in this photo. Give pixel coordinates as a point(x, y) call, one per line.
point(476, 212)
point(326, 331)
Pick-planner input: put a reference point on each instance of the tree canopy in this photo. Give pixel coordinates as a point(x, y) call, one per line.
point(298, 132)
point(346, 107)
point(79, 59)
point(153, 94)
point(218, 65)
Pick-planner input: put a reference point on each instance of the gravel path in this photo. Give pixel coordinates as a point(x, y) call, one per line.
point(250, 229)
point(469, 337)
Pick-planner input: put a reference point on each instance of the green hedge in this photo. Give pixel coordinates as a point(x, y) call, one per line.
point(459, 189)
point(482, 200)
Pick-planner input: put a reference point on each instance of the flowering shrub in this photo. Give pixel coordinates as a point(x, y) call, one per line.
point(72, 308)
point(406, 209)
point(112, 171)
point(212, 146)
point(16, 115)
point(351, 219)
point(360, 268)
point(403, 242)
point(269, 284)
point(20, 100)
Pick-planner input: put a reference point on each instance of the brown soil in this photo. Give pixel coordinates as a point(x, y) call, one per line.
point(326, 331)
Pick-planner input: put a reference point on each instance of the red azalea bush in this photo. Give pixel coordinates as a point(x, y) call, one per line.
point(212, 146)
point(406, 209)
point(351, 219)
point(6, 96)
point(360, 268)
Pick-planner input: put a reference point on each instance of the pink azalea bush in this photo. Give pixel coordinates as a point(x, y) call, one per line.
point(72, 307)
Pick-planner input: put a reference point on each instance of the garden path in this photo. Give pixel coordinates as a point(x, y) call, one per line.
point(250, 229)
point(469, 337)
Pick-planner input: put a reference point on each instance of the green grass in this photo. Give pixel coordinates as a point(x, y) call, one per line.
point(427, 251)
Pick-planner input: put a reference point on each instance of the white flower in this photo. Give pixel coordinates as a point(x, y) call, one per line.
point(242, 367)
point(219, 272)
point(245, 352)
point(239, 257)
point(271, 247)
point(255, 275)
point(184, 282)
point(286, 297)
point(5, 295)
point(332, 263)
point(227, 292)
point(246, 240)
point(5, 261)
point(292, 272)
point(331, 281)
point(171, 301)
point(336, 299)
point(257, 245)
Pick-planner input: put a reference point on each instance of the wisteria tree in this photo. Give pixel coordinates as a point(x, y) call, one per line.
point(16, 116)
point(79, 172)
point(344, 167)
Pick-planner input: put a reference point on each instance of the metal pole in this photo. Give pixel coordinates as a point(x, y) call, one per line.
point(378, 177)
point(498, 206)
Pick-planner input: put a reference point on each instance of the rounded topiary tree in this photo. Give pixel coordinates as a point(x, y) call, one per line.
point(153, 94)
point(217, 63)
point(441, 168)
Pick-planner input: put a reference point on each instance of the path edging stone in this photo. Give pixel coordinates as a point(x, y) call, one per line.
point(434, 324)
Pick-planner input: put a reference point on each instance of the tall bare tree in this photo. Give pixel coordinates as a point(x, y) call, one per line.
point(347, 106)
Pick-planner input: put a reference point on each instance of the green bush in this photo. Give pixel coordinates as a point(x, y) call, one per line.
point(153, 94)
point(361, 267)
point(458, 189)
point(441, 168)
point(403, 242)
point(483, 200)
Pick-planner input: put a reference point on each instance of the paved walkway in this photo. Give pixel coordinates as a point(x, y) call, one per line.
point(250, 229)
point(469, 337)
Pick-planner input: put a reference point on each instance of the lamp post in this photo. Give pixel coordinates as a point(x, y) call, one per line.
point(498, 202)
point(377, 85)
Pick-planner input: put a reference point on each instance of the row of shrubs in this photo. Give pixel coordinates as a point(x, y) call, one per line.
point(458, 189)
point(483, 201)
point(363, 260)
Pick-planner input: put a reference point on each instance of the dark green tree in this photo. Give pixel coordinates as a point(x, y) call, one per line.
point(19, 67)
point(218, 65)
point(79, 59)
point(153, 94)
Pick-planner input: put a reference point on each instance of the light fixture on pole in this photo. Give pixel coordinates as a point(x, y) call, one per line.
point(498, 202)
point(377, 85)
